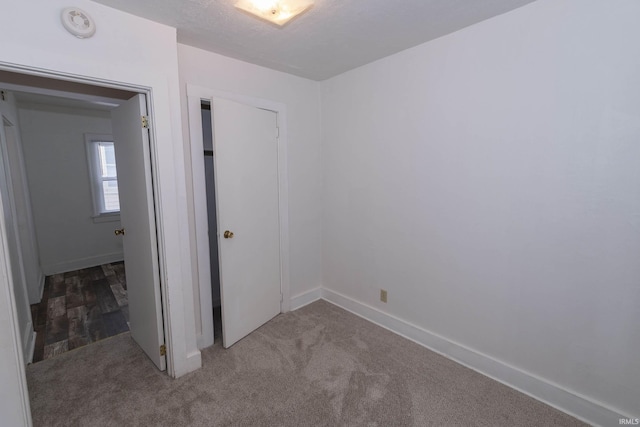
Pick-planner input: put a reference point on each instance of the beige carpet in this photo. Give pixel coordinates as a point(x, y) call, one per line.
point(317, 366)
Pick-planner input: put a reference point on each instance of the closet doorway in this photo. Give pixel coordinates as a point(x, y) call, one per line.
point(238, 149)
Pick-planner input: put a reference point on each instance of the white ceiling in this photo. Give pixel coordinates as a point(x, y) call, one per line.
point(334, 36)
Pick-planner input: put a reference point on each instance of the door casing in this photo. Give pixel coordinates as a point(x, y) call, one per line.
point(195, 96)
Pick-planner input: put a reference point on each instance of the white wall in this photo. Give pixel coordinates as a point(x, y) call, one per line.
point(490, 181)
point(134, 51)
point(301, 97)
point(58, 173)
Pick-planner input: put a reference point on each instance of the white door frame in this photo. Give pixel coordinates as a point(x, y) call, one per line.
point(28, 333)
point(195, 96)
point(13, 327)
point(147, 91)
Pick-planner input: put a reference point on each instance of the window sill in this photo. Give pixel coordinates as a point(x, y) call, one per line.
point(106, 217)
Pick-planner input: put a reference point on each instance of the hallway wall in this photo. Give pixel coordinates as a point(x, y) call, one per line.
point(57, 168)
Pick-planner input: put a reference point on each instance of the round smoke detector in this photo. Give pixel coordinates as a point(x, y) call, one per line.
point(78, 22)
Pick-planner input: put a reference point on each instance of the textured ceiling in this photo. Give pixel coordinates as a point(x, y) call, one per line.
point(334, 36)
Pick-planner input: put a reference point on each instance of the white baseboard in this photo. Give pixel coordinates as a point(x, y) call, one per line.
point(552, 394)
point(29, 343)
point(305, 298)
point(80, 263)
point(297, 302)
point(203, 341)
point(37, 290)
point(41, 280)
point(193, 362)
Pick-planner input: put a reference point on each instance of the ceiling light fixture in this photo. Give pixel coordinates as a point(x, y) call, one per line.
point(278, 12)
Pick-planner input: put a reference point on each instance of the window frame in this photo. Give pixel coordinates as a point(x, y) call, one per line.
point(100, 214)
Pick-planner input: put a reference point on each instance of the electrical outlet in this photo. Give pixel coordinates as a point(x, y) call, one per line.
point(383, 295)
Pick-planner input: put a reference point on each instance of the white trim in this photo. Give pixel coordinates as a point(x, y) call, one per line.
point(19, 277)
point(306, 298)
point(41, 279)
point(13, 327)
point(95, 99)
point(27, 337)
point(283, 199)
point(106, 217)
point(572, 403)
point(205, 337)
point(173, 310)
point(28, 242)
point(204, 341)
point(30, 345)
point(80, 263)
point(194, 361)
point(195, 95)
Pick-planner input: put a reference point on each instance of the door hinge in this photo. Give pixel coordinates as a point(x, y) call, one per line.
point(3, 95)
point(277, 132)
point(281, 297)
point(163, 350)
point(145, 122)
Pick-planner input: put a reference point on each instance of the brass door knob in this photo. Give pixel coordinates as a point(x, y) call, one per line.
point(119, 232)
point(228, 234)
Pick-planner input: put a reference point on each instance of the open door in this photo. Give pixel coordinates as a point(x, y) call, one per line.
point(137, 216)
point(246, 175)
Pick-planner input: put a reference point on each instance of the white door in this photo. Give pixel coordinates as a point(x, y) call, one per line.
point(131, 142)
point(246, 173)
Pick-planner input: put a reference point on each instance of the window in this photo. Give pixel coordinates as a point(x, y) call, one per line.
point(104, 176)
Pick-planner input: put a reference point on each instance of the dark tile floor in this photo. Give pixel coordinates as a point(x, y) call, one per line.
point(80, 307)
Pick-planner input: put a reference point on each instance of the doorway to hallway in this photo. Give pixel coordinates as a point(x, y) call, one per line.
point(71, 311)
